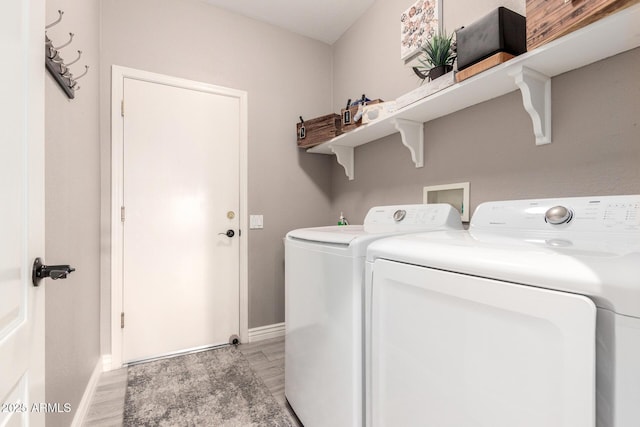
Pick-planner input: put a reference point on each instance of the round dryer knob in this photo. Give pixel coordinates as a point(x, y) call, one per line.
point(558, 215)
point(399, 215)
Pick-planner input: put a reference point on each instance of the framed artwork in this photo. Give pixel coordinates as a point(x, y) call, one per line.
point(418, 23)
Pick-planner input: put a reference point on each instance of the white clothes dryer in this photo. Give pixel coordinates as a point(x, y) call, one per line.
point(324, 288)
point(529, 319)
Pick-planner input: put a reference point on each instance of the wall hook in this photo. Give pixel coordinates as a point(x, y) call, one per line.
point(54, 55)
point(86, 70)
point(60, 13)
point(66, 44)
point(55, 64)
point(59, 68)
point(75, 60)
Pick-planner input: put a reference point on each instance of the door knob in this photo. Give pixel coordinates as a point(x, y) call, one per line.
point(229, 233)
point(55, 272)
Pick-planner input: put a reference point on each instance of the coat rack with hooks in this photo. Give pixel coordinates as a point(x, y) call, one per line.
point(56, 65)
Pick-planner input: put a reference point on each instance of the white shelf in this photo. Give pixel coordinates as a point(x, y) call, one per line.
point(530, 72)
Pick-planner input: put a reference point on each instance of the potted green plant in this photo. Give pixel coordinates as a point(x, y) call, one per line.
point(436, 56)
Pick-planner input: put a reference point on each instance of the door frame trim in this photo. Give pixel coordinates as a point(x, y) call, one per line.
point(118, 74)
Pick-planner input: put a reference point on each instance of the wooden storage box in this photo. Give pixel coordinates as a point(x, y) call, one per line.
point(319, 130)
point(351, 124)
point(548, 20)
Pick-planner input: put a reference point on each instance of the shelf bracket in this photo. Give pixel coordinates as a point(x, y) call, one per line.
point(344, 156)
point(536, 97)
point(412, 134)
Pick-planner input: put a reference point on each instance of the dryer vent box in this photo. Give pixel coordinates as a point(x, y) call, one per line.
point(457, 195)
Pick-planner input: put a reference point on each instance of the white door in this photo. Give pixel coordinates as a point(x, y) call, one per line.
point(180, 197)
point(21, 213)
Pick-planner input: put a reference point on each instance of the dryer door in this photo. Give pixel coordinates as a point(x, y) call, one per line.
point(454, 350)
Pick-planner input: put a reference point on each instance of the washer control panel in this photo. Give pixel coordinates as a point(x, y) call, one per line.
point(399, 215)
point(411, 216)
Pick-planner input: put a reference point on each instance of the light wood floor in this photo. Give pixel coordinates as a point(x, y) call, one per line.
point(265, 357)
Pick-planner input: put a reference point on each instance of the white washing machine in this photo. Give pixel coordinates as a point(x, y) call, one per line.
point(529, 319)
point(324, 288)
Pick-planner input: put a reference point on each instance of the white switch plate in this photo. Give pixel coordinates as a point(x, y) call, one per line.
point(256, 222)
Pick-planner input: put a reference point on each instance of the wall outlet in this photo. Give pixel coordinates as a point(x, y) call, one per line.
point(256, 222)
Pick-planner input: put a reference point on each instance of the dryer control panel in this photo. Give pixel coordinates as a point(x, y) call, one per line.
point(585, 214)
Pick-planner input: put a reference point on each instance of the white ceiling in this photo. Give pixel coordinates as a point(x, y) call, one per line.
point(324, 20)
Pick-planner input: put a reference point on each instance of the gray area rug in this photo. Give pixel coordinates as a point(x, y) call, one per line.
point(210, 388)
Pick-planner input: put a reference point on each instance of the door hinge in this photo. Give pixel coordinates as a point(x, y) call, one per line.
point(122, 108)
point(122, 320)
point(122, 213)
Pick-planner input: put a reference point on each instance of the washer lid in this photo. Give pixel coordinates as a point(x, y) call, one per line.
point(385, 220)
point(335, 234)
point(348, 235)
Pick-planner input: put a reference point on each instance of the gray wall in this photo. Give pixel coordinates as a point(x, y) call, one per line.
point(285, 76)
point(595, 149)
point(72, 210)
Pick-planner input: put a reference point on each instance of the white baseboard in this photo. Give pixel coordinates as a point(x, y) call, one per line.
point(266, 332)
point(83, 406)
point(107, 362)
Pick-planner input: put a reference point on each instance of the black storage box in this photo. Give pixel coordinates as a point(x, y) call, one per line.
point(502, 30)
